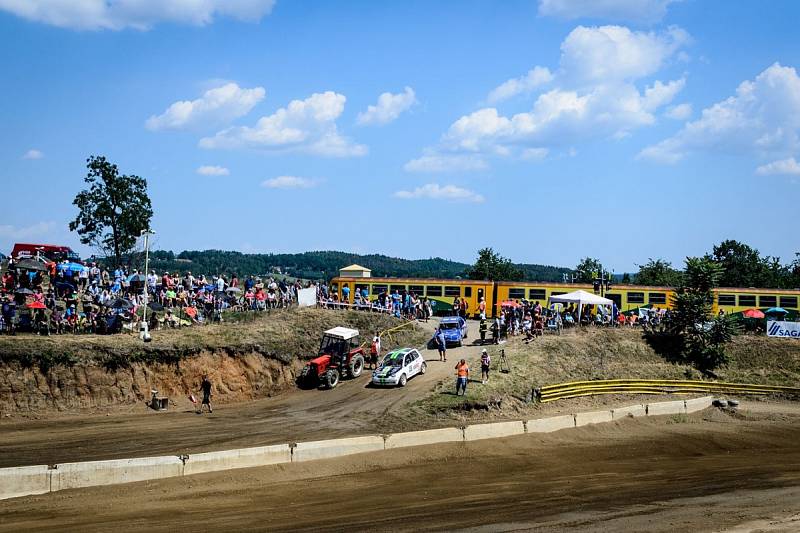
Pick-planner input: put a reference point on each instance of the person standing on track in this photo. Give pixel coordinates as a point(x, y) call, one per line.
point(462, 376)
point(441, 344)
point(205, 388)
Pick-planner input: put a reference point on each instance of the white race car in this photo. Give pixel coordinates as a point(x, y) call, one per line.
point(398, 367)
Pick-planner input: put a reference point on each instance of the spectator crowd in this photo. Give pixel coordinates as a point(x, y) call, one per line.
point(60, 297)
point(402, 304)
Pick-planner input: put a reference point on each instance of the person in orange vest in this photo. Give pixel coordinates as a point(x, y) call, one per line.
point(462, 376)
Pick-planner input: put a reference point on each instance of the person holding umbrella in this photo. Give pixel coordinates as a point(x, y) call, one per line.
point(40, 325)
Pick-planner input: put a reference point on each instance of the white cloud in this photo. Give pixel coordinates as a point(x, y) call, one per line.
point(216, 107)
point(33, 154)
point(788, 166)
point(136, 14)
point(679, 112)
point(597, 92)
point(289, 182)
point(615, 53)
point(661, 93)
point(534, 154)
point(646, 11)
point(434, 191)
point(535, 78)
point(39, 229)
point(561, 117)
point(389, 107)
point(762, 119)
point(307, 126)
point(213, 170)
point(435, 162)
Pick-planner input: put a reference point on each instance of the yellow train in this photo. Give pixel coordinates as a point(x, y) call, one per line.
point(442, 292)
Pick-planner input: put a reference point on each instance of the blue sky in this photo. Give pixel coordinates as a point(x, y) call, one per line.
point(550, 130)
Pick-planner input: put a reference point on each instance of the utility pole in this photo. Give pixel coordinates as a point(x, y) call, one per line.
point(601, 281)
point(144, 332)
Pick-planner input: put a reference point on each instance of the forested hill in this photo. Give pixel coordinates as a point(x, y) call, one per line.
point(325, 264)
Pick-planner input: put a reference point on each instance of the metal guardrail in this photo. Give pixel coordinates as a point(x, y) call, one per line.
point(563, 391)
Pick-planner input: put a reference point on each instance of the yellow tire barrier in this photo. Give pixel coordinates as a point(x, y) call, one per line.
point(388, 333)
point(563, 391)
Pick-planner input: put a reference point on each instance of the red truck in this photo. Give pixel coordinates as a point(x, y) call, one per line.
point(51, 252)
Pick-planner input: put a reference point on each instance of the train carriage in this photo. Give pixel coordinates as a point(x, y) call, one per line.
point(441, 292)
point(628, 298)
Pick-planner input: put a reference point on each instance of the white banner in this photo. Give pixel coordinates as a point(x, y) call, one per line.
point(779, 328)
point(307, 297)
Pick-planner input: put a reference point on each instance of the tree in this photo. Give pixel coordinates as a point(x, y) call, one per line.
point(626, 279)
point(658, 272)
point(690, 334)
point(588, 269)
point(492, 266)
point(742, 266)
point(113, 211)
point(793, 274)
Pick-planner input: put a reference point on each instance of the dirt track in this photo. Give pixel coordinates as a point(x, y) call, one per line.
point(136, 431)
point(707, 472)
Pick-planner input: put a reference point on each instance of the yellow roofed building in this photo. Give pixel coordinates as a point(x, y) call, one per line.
point(355, 271)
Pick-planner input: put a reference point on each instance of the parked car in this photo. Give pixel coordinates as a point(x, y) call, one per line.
point(398, 367)
point(455, 329)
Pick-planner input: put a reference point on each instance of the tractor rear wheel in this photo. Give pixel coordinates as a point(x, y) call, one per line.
point(356, 366)
point(331, 378)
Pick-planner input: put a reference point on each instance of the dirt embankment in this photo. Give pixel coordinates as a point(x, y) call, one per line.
point(245, 360)
point(236, 377)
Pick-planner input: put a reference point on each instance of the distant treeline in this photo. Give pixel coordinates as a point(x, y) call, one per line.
point(742, 266)
point(325, 264)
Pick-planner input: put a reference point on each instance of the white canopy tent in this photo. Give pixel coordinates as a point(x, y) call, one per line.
point(581, 298)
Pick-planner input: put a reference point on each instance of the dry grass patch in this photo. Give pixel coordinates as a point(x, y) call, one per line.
point(597, 354)
point(280, 334)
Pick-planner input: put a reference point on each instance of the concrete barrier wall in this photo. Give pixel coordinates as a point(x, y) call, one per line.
point(94, 473)
point(592, 417)
point(421, 438)
point(698, 404)
point(24, 481)
point(198, 463)
point(29, 480)
point(630, 410)
point(666, 408)
point(493, 431)
point(324, 449)
point(547, 425)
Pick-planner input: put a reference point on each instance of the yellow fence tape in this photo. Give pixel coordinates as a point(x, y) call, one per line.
point(575, 389)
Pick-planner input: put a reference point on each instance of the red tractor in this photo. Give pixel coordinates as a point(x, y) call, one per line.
point(340, 356)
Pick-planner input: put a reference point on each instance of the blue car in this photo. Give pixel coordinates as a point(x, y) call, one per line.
point(454, 329)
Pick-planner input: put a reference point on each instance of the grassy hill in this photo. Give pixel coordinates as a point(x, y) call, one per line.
point(600, 353)
point(325, 264)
